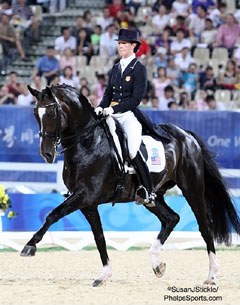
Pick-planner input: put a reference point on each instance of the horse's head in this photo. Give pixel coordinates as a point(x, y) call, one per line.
point(52, 121)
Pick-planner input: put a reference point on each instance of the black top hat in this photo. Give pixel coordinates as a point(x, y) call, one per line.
point(129, 35)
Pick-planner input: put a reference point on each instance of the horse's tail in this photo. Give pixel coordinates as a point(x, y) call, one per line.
point(223, 213)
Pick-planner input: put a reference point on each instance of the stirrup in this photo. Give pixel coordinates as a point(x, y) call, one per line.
point(143, 197)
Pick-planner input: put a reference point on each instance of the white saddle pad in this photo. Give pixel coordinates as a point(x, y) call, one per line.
point(156, 156)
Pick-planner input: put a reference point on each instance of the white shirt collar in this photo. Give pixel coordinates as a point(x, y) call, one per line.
point(124, 62)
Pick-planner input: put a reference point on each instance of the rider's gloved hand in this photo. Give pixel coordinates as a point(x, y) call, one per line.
point(98, 110)
point(108, 111)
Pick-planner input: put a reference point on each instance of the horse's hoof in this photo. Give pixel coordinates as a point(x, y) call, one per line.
point(98, 283)
point(160, 270)
point(209, 282)
point(28, 251)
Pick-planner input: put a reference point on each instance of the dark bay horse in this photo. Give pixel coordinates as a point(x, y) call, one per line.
point(91, 176)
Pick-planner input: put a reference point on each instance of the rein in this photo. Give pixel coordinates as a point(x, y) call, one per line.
point(91, 128)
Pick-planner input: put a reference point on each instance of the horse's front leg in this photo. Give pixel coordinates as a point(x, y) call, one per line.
point(92, 216)
point(70, 205)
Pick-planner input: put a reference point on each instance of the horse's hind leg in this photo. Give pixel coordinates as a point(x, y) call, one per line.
point(168, 219)
point(94, 220)
point(199, 207)
point(70, 205)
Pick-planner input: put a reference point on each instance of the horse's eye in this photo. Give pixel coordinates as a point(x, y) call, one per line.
point(52, 112)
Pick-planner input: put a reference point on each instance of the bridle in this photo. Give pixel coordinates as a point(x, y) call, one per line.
point(55, 135)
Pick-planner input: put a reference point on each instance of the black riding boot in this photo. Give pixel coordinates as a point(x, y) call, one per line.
point(144, 193)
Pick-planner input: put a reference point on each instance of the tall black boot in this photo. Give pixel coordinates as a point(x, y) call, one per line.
point(144, 193)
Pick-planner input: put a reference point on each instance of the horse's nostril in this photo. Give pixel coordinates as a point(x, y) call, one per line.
point(48, 155)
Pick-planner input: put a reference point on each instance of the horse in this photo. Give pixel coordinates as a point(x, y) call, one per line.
point(92, 177)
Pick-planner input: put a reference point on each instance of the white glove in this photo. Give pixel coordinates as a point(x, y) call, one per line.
point(108, 111)
point(98, 110)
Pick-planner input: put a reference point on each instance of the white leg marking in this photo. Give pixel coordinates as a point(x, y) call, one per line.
point(213, 268)
point(106, 273)
point(155, 250)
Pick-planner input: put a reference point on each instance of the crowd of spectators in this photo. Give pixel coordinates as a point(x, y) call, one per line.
point(170, 32)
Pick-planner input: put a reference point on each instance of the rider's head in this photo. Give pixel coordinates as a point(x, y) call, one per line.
point(128, 42)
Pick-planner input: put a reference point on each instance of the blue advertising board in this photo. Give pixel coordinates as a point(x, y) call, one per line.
point(19, 139)
point(32, 210)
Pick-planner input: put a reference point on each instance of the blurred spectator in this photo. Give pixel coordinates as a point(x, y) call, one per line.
point(158, 3)
point(88, 23)
point(212, 104)
point(95, 39)
point(197, 24)
point(155, 103)
point(68, 59)
point(207, 80)
point(160, 20)
point(25, 98)
point(13, 84)
point(184, 59)
point(134, 5)
point(69, 78)
point(173, 72)
point(217, 15)
point(200, 99)
point(84, 82)
point(206, 3)
point(184, 99)
point(163, 40)
point(84, 46)
point(160, 82)
point(57, 6)
point(192, 105)
point(25, 21)
point(105, 19)
point(6, 98)
point(180, 24)
point(108, 43)
point(172, 105)
point(180, 8)
point(189, 79)
point(179, 43)
point(5, 8)
point(145, 103)
point(66, 40)
point(99, 88)
point(160, 59)
point(55, 80)
point(208, 35)
point(79, 24)
point(236, 55)
point(39, 83)
point(9, 42)
point(229, 78)
point(125, 17)
point(85, 91)
point(167, 97)
point(47, 65)
point(228, 33)
point(115, 7)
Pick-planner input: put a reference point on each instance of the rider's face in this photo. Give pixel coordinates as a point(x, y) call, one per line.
point(125, 49)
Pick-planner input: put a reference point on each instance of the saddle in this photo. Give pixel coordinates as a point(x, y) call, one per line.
point(151, 149)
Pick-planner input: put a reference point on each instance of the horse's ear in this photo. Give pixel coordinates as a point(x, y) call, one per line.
point(49, 92)
point(34, 92)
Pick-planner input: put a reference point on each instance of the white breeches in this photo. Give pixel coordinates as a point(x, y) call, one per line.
point(133, 130)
